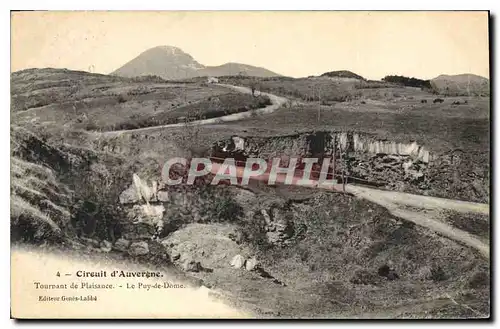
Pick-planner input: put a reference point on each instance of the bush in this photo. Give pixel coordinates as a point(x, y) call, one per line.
point(410, 82)
point(224, 209)
point(121, 99)
point(479, 279)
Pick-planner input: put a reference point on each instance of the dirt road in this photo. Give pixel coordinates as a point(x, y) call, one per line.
point(276, 101)
point(427, 202)
point(394, 202)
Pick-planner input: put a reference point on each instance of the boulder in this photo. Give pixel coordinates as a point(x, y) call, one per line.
point(106, 246)
point(138, 248)
point(251, 264)
point(148, 214)
point(266, 216)
point(139, 191)
point(129, 196)
point(162, 196)
point(122, 245)
point(237, 237)
point(175, 257)
point(238, 261)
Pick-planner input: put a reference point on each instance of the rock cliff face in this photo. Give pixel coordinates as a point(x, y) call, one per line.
point(321, 144)
point(360, 156)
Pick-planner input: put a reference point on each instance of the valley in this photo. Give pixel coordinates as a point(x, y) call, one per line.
point(407, 237)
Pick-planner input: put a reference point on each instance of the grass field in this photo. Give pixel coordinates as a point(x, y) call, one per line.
point(79, 100)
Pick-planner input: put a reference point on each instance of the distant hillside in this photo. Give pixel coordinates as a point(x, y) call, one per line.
point(236, 69)
point(462, 85)
point(406, 81)
point(172, 63)
point(342, 74)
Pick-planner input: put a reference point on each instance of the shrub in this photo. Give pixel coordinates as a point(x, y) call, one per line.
point(121, 99)
point(224, 209)
point(479, 279)
point(410, 82)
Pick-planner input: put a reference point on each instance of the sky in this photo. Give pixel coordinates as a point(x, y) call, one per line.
point(297, 44)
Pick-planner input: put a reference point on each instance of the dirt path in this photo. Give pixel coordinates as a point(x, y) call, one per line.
point(276, 101)
point(393, 201)
point(428, 202)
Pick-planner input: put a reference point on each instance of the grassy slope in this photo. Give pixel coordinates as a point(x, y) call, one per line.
point(80, 100)
point(39, 200)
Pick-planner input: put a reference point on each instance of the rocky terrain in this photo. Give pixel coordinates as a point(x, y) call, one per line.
point(272, 251)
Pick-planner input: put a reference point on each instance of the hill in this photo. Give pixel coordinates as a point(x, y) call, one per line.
point(236, 69)
point(409, 82)
point(172, 63)
point(461, 85)
point(342, 74)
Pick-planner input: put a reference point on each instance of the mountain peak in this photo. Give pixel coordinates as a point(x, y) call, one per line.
point(170, 62)
point(171, 50)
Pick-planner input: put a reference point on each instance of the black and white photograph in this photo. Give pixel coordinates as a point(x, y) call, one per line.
point(250, 165)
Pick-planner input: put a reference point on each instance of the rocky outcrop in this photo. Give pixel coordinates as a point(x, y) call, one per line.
point(139, 191)
point(279, 229)
point(320, 143)
point(359, 156)
point(121, 244)
point(251, 264)
point(150, 214)
point(138, 248)
point(238, 262)
point(208, 244)
point(144, 208)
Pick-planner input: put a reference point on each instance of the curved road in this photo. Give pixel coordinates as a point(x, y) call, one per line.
point(395, 202)
point(276, 101)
